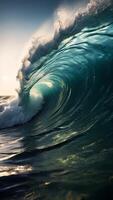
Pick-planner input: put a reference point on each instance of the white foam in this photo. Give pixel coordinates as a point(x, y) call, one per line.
point(64, 18)
point(14, 114)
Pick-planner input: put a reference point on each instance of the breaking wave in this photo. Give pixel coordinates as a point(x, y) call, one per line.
point(68, 73)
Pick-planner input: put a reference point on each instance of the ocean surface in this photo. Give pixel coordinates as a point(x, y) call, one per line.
point(56, 137)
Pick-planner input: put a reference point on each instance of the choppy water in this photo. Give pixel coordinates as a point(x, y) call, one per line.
point(65, 150)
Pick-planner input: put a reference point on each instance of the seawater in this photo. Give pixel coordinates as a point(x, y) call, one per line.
point(64, 150)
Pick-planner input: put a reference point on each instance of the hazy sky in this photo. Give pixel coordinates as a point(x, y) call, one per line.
point(19, 19)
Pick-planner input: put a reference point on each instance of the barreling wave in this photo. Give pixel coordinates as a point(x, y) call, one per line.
point(68, 73)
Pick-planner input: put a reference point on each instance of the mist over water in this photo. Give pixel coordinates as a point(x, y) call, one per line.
point(65, 149)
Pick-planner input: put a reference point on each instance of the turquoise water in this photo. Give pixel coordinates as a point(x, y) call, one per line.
point(65, 148)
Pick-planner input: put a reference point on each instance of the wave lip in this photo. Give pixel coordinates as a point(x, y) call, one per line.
point(43, 45)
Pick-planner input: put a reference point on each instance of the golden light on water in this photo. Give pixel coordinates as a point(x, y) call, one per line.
point(14, 170)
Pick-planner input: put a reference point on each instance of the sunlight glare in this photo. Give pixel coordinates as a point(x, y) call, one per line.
point(10, 62)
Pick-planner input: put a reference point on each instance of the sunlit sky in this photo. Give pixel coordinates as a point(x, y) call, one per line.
point(19, 19)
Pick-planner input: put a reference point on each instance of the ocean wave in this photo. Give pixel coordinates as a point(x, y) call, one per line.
point(68, 72)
